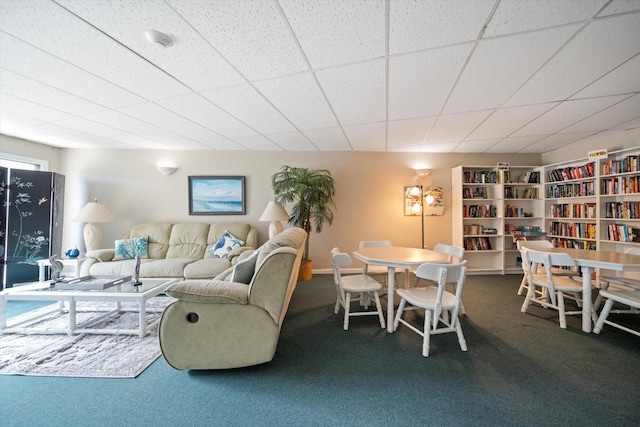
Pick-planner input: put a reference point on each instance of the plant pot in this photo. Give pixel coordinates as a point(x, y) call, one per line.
point(306, 271)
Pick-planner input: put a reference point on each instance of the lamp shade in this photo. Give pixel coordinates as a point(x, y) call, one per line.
point(94, 212)
point(274, 212)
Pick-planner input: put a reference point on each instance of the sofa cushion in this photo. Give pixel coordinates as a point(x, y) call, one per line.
point(209, 291)
point(170, 267)
point(206, 268)
point(244, 269)
point(242, 231)
point(130, 248)
point(158, 232)
point(225, 244)
point(188, 240)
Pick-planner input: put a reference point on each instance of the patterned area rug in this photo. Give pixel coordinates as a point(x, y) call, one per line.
point(82, 355)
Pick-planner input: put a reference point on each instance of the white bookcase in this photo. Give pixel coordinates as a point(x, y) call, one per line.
point(491, 206)
point(582, 203)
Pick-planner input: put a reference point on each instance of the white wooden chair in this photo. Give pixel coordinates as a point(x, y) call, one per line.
point(441, 307)
point(619, 283)
point(361, 284)
point(556, 286)
point(627, 296)
point(375, 270)
point(538, 245)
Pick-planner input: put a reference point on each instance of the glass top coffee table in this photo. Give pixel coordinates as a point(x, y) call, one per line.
point(67, 299)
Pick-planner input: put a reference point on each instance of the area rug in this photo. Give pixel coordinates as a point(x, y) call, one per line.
point(82, 355)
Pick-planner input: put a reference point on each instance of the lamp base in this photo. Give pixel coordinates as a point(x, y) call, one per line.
point(92, 236)
point(275, 228)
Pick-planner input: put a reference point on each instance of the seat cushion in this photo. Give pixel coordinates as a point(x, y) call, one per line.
point(210, 291)
point(206, 268)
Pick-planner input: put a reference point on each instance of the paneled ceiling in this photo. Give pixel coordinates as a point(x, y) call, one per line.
point(494, 76)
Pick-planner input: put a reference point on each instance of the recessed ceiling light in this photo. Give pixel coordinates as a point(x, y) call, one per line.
point(159, 38)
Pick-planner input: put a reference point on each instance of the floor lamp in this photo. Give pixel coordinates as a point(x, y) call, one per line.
point(418, 206)
point(93, 214)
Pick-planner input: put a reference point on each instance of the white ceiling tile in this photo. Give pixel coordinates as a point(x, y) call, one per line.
point(310, 111)
point(420, 83)
point(455, 127)
point(476, 145)
point(499, 66)
point(369, 137)
point(576, 65)
point(31, 90)
point(514, 144)
point(505, 121)
point(257, 143)
point(622, 112)
point(25, 108)
point(199, 110)
point(94, 128)
point(623, 79)
point(134, 126)
point(416, 25)
point(91, 140)
point(621, 6)
point(33, 132)
point(165, 119)
point(224, 144)
point(292, 141)
point(333, 32)
point(356, 92)
point(631, 124)
point(439, 147)
point(555, 141)
point(330, 139)
point(251, 34)
point(190, 59)
point(565, 114)
point(245, 103)
point(64, 35)
point(409, 132)
point(35, 64)
point(514, 16)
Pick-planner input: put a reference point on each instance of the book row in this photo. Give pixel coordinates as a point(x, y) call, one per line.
point(572, 210)
point(573, 172)
point(580, 230)
point(480, 211)
point(581, 189)
point(622, 210)
point(628, 164)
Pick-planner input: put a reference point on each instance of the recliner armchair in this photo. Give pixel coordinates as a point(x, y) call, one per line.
point(222, 324)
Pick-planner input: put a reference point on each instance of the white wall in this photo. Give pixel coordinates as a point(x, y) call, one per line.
point(369, 187)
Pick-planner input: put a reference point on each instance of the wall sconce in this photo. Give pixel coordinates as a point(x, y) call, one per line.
point(167, 170)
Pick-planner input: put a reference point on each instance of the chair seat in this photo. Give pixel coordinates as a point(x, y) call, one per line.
point(360, 283)
point(631, 283)
point(426, 297)
point(628, 297)
point(561, 283)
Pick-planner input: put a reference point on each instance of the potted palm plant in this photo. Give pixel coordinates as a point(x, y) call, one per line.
point(311, 191)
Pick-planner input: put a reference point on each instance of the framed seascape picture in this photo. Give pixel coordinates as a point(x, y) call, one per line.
point(216, 195)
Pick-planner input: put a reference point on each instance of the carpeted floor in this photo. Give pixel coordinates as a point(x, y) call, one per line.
point(520, 370)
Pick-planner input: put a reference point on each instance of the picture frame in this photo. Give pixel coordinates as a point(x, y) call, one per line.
point(217, 195)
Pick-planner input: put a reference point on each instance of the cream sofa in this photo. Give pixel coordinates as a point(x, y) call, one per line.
point(180, 250)
point(222, 324)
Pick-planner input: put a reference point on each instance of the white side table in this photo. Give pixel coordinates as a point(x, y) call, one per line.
point(68, 263)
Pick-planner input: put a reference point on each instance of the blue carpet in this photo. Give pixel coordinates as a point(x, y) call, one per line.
point(520, 370)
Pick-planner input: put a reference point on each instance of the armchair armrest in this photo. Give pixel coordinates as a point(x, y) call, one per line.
point(101, 255)
point(210, 291)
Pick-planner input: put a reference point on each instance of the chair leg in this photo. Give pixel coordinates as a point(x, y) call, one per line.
point(603, 316)
point(337, 309)
point(347, 305)
point(379, 308)
point(523, 286)
point(598, 301)
point(427, 333)
point(563, 316)
point(461, 340)
point(399, 313)
point(527, 302)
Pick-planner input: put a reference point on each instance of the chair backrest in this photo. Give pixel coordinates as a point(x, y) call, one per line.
point(531, 244)
point(443, 274)
point(533, 257)
point(453, 251)
point(374, 243)
point(338, 260)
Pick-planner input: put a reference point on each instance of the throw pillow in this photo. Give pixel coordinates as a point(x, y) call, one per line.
point(225, 245)
point(243, 270)
point(130, 248)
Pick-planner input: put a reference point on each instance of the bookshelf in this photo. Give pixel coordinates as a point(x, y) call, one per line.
point(494, 206)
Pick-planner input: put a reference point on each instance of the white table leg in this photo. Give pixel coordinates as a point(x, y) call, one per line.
point(142, 318)
point(72, 316)
point(390, 298)
point(586, 298)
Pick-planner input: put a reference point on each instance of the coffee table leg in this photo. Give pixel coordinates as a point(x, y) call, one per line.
point(142, 314)
point(72, 316)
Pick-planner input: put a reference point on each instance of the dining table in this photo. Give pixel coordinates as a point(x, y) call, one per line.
point(590, 261)
point(394, 257)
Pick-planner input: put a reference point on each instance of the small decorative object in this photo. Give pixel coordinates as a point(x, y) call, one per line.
point(72, 252)
point(56, 268)
point(136, 273)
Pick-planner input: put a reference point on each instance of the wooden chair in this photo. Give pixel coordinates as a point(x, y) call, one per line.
point(441, 307)
point(627, 296)
point(540, 245)
point(361, 284)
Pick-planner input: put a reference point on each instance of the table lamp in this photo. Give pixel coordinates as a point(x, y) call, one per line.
point(93, 214)
point(275, 213)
